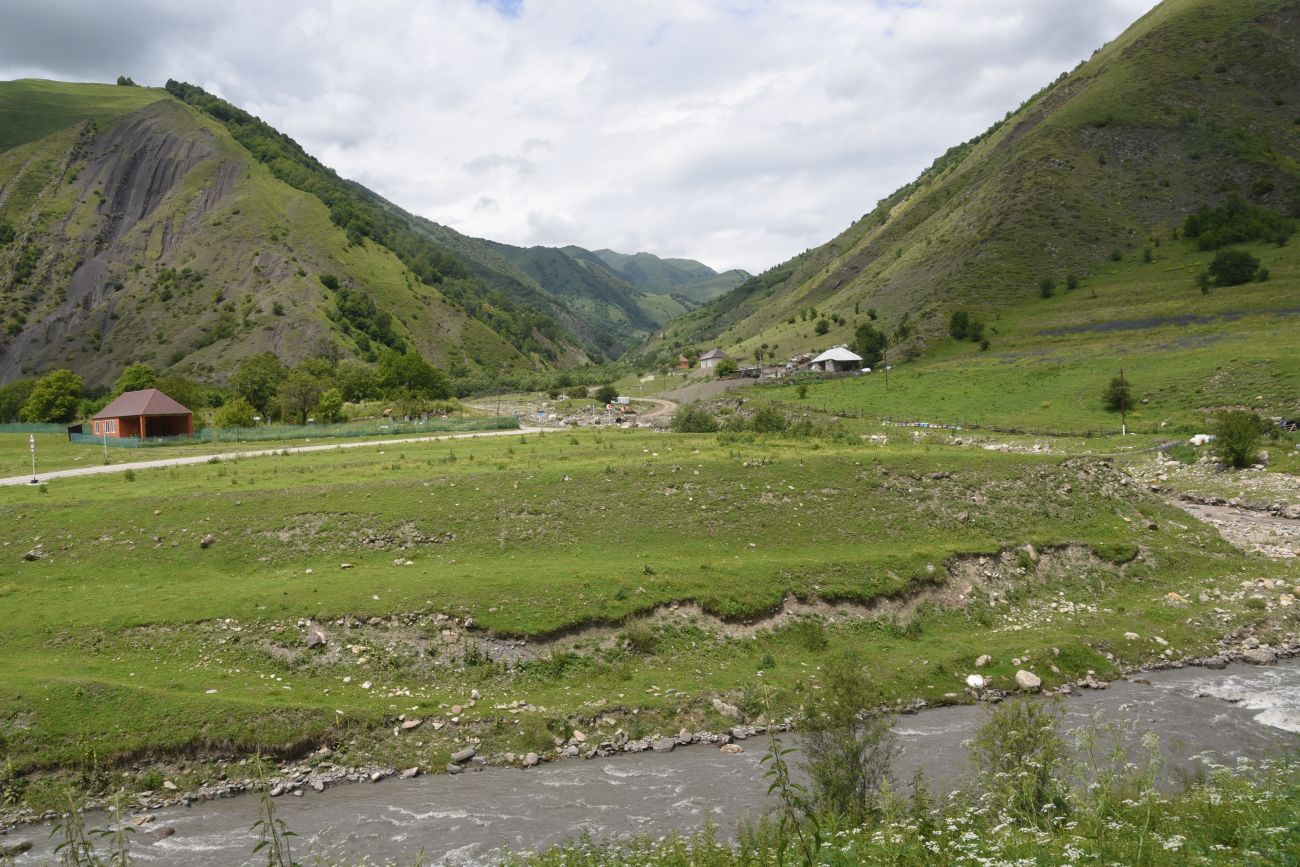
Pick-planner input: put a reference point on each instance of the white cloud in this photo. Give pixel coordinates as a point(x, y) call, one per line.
point(738, 133)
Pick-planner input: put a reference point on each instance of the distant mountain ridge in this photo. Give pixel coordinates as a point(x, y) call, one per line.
point(171, 227)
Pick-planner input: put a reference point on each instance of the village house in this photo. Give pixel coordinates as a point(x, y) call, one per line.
point(710, 359)
point(839, 359)
point(143, 414)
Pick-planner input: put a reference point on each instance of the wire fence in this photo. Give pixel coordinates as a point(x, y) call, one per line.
point(264, 433)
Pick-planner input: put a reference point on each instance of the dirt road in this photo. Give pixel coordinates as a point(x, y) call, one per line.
point(226, 456)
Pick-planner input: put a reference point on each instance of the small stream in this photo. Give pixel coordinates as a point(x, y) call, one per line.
point(1242, 711)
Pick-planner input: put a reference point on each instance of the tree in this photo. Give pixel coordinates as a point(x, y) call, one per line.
point(329, 409)
point(53, 398)
point(12, 398)
point(606, 394)
point(356, 381)
point(182, 389)
point(958, 324)
point(870, 343)
point(237, 412)
point(726, 367)
point(823, 325)
point(849, 744)
point(408, 370)
point(298, 395)
point(125, 81)
point(1233, 267)
point(136, 377)
point(257, 380)
point(1046, 287)
point(1237, 434)
point(1118, 397)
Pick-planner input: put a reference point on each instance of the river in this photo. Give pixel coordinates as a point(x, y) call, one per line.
point(1242, 711)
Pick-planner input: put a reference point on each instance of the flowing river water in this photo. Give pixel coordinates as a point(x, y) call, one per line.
point(1242, 711)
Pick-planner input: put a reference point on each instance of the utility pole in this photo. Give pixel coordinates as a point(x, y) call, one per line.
point(31, 443)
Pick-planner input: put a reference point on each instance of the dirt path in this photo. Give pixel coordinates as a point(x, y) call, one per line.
point(662, 407)
point(226, 456)
point(1271, 535)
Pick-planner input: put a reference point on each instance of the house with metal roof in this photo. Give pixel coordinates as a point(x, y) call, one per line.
point(143, 414)
point(839, 359)
point(710, 359)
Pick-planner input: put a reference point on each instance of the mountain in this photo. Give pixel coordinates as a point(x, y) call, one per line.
point(171, 227)
point(1197, 101)
point(622, 299)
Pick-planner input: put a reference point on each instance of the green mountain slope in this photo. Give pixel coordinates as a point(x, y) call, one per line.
point(142, 230)
point(686, 278)
point(1196, 101)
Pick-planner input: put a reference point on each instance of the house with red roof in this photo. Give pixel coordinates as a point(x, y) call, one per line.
point(143, 414)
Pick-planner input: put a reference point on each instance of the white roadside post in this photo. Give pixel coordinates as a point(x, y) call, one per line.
point(31, 443)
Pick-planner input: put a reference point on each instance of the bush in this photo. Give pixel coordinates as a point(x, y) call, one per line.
point(692, 418)
point(1019, 758)
point(237, 412)
point(640, 637)
point(606, 394)
point(1046, 287)
point(54, 398)
point(1237, 222)
point(870, 343)
point(1233, 267)
point(1237, 435)
point(963, 326)
point(768, 419)
point(1071, 282)
point(823, 325)
point(1118, 396)
point(811, 635)
point(849, 745)
point(726, 367)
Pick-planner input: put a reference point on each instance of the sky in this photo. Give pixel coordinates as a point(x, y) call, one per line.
point(736, 132)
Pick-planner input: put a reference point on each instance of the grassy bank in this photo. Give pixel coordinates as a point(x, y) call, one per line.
point(639, 567)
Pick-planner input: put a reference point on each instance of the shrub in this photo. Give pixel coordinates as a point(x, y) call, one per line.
point(1046, 287)
point(726, 367)
point(1237, 435)
point(1071, 282)
point(1237, 222)
point(1118, 396)
point(606, 394)
point(768, 419)
point(692, 418)
point(811, 635)
point(870, 343)
point(1233, 267)
point(823, 325)
point(802, 390)
point(641, 637)
point(1020, 757)
point(237, 412)
point(849, 745)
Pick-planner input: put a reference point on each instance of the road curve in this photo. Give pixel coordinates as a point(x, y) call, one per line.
point(226, 456)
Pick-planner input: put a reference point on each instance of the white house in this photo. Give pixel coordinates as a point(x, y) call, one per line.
point(710, 359)
point(837, 360)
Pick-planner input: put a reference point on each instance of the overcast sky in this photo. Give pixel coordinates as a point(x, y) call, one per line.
point(736, 132)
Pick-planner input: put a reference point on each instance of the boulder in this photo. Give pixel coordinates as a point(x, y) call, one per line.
point(156, 834)
point(1259, 656)
point(664, 745)
point(412, 724)
point(12, 850)
point(727, 710)
point(36, 554)
point(315, 638)
point(460, 757)
point(975, 681)
point(531, 760)
point(731, 749)
point(1028, 681)
point(983, 660)
point(1131, 636)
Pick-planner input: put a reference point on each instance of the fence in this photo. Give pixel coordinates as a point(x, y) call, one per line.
point(309, 431)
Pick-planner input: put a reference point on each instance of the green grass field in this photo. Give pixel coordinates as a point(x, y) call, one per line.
point(127, 640)
point(1184, 353)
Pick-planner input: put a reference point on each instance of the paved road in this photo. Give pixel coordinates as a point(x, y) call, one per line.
point(226, 456)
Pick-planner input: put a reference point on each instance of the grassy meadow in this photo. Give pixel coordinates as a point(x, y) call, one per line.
point(129, 642)
point(1183, 352)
